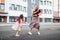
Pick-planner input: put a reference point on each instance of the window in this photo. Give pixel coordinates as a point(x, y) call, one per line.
point(12, 19)
point(50, 11)
point(48, 19)
point(25, 19)
point(44, 2)
point(45, 11)
point(41, 19)
point(18, 7)
point(41, 2)
point(49, 3)
point(2, 6)
point(24, 9)
point(12, 7)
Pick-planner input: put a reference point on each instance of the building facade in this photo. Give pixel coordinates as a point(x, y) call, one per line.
point(47, 11)
point(10, 10)
point(59, 9)
point(3, 15)
point(46, 7)
point(56, 11)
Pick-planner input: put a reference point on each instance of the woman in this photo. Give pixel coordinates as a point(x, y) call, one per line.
point(35, 20)
point(17, 25)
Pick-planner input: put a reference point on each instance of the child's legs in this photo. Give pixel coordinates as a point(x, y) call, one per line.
point(30, 29)
point(18, 29)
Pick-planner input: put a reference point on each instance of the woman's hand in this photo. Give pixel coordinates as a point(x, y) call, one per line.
point(34, 15)
point(39, 14)
point(35, 11)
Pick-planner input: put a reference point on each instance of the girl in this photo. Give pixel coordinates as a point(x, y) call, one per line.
point(17, 25)
point(35, 21)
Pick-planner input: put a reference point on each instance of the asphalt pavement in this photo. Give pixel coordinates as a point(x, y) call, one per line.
point(48, 32)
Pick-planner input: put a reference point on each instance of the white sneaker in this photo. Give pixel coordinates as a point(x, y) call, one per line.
point(29, 33)
point(38, 33)
point(17, 35)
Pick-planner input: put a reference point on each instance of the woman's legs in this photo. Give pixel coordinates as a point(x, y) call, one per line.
point(32, 26)
point(38, 30)
point(30, 31)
